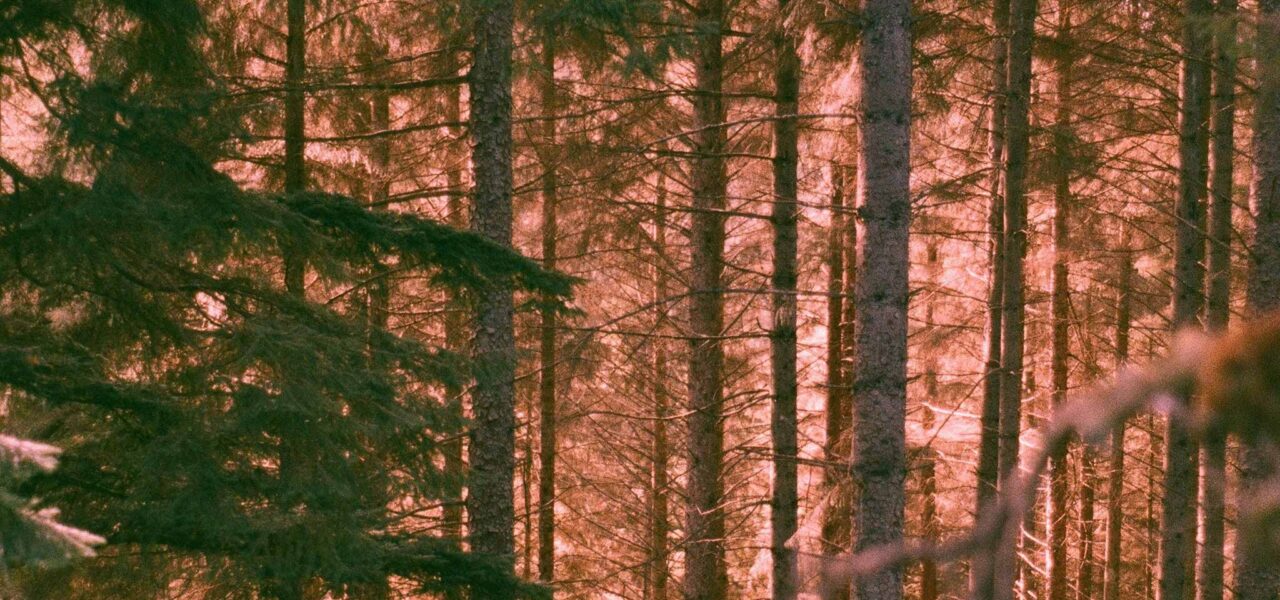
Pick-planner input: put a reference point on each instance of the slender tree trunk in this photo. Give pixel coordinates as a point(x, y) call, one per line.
point(880, 360)
point(490, 501)
point(705, 572)
point(838, 514)
point(928, 457)
point(547, 342)
point(1178, 515)
point(1056, 544)
point(1218, 312)
point(1017, 131)
point(660, 520)
point(989, 445)
point(1088, 524)
point(455, 340)
point(295, 181)
point(1257, 576)
point(1115, 475)
point(782, 338)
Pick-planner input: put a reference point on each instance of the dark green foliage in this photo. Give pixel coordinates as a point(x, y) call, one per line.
point(277, 440)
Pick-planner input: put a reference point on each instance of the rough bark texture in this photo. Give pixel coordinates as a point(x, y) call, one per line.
point(490, 499)
point(1209, 569)
point(1115, 476)
point(782, 337)
point(989, 445)
point(705, 572)
point(1017, 132)
point(837, 517)
point(547, 337)
point(659, 518)
point(884, 213)
point(1256, 575)
point(1056, 544)
point(1178, 514)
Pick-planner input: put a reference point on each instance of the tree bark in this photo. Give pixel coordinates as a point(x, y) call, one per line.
point(989, 445)
point(884, 214)
point(1017, 131)
point(660, 520)
point(455, 340)
point(705, 572)
point(782, 337)
point(490, 500)
point(547, 341)
point(1115, 476)
point(1178, 515)
point(1218, 310)
point(1256, 574)
point(838, 514)
point(1056, 544)
point(927, 456)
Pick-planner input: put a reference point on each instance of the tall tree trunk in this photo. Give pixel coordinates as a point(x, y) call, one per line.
point(928, 457)
point(1017, 131)
point(1056, 543)
point(989, 445)
point(1178, 515)
point(660, 521)
point(1088, 524)
point(1218, 310)
point(1256, 574)
point(455, 340)
point(782, 338)
point(547, 342)
point(884, 213)
point(490, 500)
point(1115, 476)
point(295, 180)
point(705, 572)
point(838, 514)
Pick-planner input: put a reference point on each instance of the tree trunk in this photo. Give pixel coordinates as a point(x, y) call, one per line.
point(490, 501)
point(782, 338)
point(547, 341)
point(1017, 131)
point(928, 457)
point(1256, 574)
point(1115, 476)
point(1213, 460)
point(705, 572)
point(455, 340)
point(838, 514)
point(1056, 543)
point(989, 445)
point(660, 521)
point(1178, 515)
point(884, 213)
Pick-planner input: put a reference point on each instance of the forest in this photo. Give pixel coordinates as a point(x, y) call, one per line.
point(639, 299)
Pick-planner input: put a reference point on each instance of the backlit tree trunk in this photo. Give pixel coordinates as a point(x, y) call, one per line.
point(837, 517)
point(884, 215)
point(547, 340)
point(782, 337)
point(659, 519)
point(490, 499)
point(1218, 310)
point(705, 572)
point(1256, 573)
point(1178, 515)
point(1017, 132)
point(1056, 543)
point(1115, 475)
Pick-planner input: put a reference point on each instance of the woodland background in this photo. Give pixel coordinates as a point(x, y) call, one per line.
point(802, 276)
